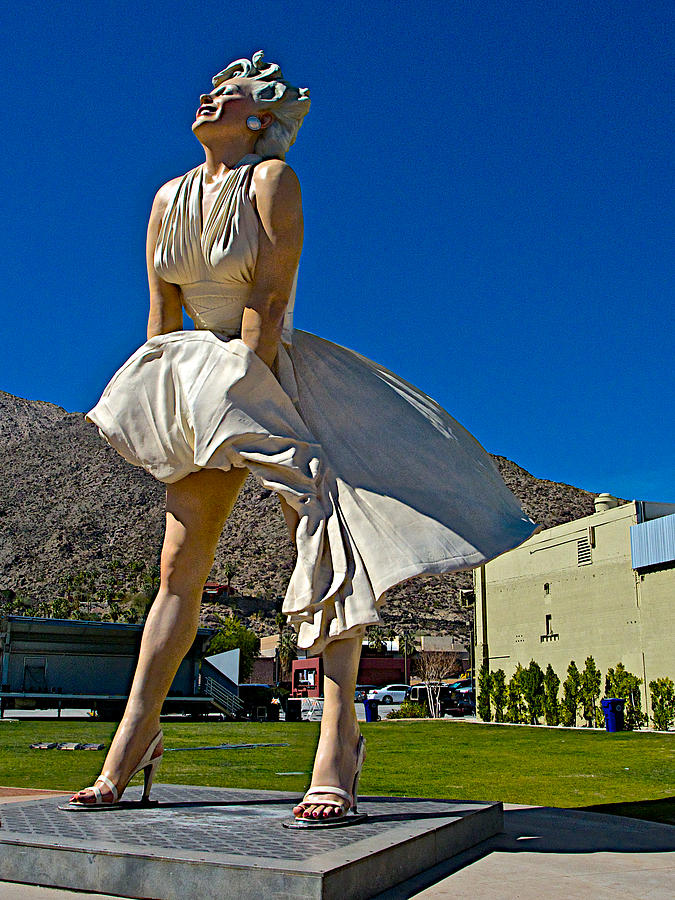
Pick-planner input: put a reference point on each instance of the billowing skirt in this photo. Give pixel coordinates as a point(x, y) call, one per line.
point(385, 484)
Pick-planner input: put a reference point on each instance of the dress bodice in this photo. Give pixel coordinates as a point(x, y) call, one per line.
point(213, 260)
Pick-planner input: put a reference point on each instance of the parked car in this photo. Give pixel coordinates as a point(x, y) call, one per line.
point(418, 693)
point(462, 683)
point(362, 691)
point(462, 702)
point(390, 693)
point(457, 699)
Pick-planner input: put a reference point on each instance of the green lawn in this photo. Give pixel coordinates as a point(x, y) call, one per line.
point(538, 766)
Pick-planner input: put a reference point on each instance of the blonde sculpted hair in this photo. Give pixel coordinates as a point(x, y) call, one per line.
point(288, 104)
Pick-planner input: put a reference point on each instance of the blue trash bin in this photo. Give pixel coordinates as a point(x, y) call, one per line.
point(612, 708)
point(371, 708)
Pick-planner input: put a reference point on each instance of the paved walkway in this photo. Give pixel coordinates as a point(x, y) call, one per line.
point(558, 854)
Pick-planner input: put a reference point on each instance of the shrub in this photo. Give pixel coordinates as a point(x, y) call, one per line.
point(515, 707)
point(498, 693)
point(551, 705)
point(483, 705)
point(663, 703)
point(409, 710)
point(590, 691)
point(622, 683)
point(532, 684)
point(570, 699)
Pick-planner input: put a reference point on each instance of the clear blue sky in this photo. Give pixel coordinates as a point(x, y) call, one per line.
point(488, 199)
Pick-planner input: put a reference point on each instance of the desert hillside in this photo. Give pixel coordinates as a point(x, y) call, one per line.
point(69, 503)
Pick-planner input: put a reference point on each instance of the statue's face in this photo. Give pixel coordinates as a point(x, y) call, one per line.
point(231, 102)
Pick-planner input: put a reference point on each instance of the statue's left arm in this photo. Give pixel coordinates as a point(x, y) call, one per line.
point(279, 205)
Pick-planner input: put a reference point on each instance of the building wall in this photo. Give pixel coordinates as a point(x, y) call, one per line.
point(656, 597)
point(77, 657)
point(381, 670)
point(263, 671)
point(269, 644)
point(598, 605)
point(307, 674)
point(306, 677)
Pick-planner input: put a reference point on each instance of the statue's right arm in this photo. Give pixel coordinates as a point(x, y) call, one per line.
point(166, 309)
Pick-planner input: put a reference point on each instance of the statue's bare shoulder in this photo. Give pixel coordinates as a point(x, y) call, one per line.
point(276, 189)
point(164, 196)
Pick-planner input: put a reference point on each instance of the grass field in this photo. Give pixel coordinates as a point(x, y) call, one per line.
point(626, 773)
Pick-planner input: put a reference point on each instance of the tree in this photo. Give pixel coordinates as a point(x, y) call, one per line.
point(623, 684)
point(13, 604)
point(150, 581)
point(591, 680)
point(280, 622)
point(62, 607)
point(288, 651)
point(515, 707)
point(483, 701)
point(135, 608)
point(376, 639)
point(433, 668)
point(498, 693)
point(406, 642)
point(663, 703)
point(78, 588)
point(233, 635)
point(532, 685)
point(406, 646)
point(7, 601)
point(551, 705)
point(570, 699)
point(115, 611)
point(229, 570)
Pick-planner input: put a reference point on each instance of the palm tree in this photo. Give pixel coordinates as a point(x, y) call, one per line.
point(280, 622)
point(377, 640)
point(406, 645)
point(229, 570)
point(287, 650)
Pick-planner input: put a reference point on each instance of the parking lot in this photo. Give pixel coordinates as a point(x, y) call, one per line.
point(311, 711)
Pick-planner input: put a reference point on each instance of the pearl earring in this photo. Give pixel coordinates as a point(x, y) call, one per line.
point(253, 123)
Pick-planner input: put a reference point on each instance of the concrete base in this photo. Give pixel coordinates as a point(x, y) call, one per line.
point(221, 843)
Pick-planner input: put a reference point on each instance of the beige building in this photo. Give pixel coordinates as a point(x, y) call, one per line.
point(601, 586)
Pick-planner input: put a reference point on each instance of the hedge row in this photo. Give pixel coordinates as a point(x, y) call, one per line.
point(532, 694)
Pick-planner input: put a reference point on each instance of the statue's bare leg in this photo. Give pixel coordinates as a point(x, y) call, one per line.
point(196, 509)
point(335, 760)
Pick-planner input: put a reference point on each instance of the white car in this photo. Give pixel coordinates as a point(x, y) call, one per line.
point(390, 693)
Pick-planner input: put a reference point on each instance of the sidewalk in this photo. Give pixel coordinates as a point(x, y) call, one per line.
point(558, 854)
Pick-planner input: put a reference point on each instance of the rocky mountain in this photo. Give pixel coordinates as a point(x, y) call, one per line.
point(21, 419)
point(69, 503)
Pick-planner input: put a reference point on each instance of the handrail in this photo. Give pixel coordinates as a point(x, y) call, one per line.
point(221, 697)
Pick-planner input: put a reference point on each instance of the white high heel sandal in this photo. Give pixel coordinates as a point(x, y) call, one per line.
point(148, 765)
point(348, 816)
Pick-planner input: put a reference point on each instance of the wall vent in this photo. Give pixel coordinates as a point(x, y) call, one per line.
point(584, 552)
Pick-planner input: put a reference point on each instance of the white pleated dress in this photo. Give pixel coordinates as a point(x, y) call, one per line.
point(385, 483)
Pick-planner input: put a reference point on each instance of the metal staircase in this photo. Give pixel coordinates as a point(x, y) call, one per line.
point(224, 700)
